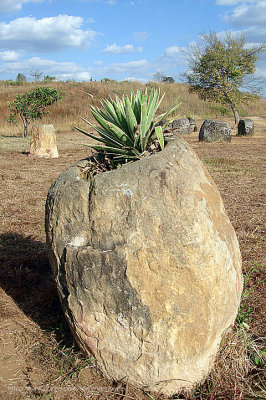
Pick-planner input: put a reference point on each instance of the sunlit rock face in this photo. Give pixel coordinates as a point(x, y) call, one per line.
point(147, 266)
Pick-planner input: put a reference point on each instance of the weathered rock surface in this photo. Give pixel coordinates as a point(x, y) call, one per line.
point(193, 124)
point(215, 131)
point(245, 127)
point(147, 266)
point(43, 141)
point(181, 126)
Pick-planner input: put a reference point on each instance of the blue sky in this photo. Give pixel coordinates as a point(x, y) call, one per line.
point(118, 39)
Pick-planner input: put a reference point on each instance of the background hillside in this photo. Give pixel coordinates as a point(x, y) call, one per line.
point(79, 95)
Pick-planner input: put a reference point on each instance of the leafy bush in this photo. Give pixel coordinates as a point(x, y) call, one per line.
point(220, 109)
point(128, 126)
point(31, 105)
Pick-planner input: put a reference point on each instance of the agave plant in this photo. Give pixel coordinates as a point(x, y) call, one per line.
point(128, 127)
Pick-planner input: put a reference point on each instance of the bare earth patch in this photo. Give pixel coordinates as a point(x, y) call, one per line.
point(38, 358)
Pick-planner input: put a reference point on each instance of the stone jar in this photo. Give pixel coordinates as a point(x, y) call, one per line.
point(147, 266)
point(181, 126)
point(215, 131)
point(43, 141)
point(245, 127)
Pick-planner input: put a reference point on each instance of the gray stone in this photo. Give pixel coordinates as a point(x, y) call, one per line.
point(193, 126)
point(215, 131)
point(192, 121)
point(147, 266)
point(245, 127)
point(181, 126)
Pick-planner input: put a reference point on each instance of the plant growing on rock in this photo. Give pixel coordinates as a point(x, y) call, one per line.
point(31, 105)
point(128, 127)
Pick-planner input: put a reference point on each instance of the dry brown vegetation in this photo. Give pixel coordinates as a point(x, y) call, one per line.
point(78, 96)
point(38, 358)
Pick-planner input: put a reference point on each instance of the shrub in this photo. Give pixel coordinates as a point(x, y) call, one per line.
point(31, 105)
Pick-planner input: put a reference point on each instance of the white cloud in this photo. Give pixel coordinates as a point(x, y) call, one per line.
point(115, 49)
point(248, 18)
point(133, 79)
point(8, 55)
point(139, 66)
point(248, 14)
point(8, 6)
point(173, 57)
point(62, 70)
point(141, 36)
point(261, 73)
point(46, 34)
point(172, 51)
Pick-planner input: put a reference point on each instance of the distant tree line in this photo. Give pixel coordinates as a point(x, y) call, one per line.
point(36, 76)
point(161, 78)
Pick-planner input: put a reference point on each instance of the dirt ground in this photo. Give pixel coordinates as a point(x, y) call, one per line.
point(38, 358)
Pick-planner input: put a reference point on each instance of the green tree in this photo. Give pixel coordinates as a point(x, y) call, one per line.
point(168, 79)
point(31, 105)
point(21, 78)
point(36, 75)
point(223, 70)
point(161, 78)
point(48, 78)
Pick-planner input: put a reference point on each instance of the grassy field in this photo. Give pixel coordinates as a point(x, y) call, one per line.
point(38, 358)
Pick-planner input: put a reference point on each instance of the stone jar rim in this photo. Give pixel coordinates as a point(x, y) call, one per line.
point(170, 143)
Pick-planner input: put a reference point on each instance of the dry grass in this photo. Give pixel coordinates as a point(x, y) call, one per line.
point(65, 113)
point(38, 358)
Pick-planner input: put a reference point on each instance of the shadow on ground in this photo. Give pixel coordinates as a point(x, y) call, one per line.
point(26, 276)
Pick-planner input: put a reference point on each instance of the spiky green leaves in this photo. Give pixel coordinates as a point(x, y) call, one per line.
point(127, 127)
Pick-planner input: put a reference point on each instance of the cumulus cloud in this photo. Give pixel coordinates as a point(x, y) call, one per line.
point(62, 70)
point(8, 6)
point(115, 49)
point(46, 34)
point(172, 51)
point(138, 66)
point(248, 14)
point(249, 18)
point(173, 57)
point(8, 55)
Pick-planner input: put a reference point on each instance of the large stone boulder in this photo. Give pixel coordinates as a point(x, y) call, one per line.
point(245, 127)
point(43, 141)
point(181, 126)
point(147, 266)
point(215, 131)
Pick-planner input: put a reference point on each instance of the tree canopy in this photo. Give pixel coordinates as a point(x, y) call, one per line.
point(21, 78)
point(218, 70)
point(31, 105)
point(161, 78)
